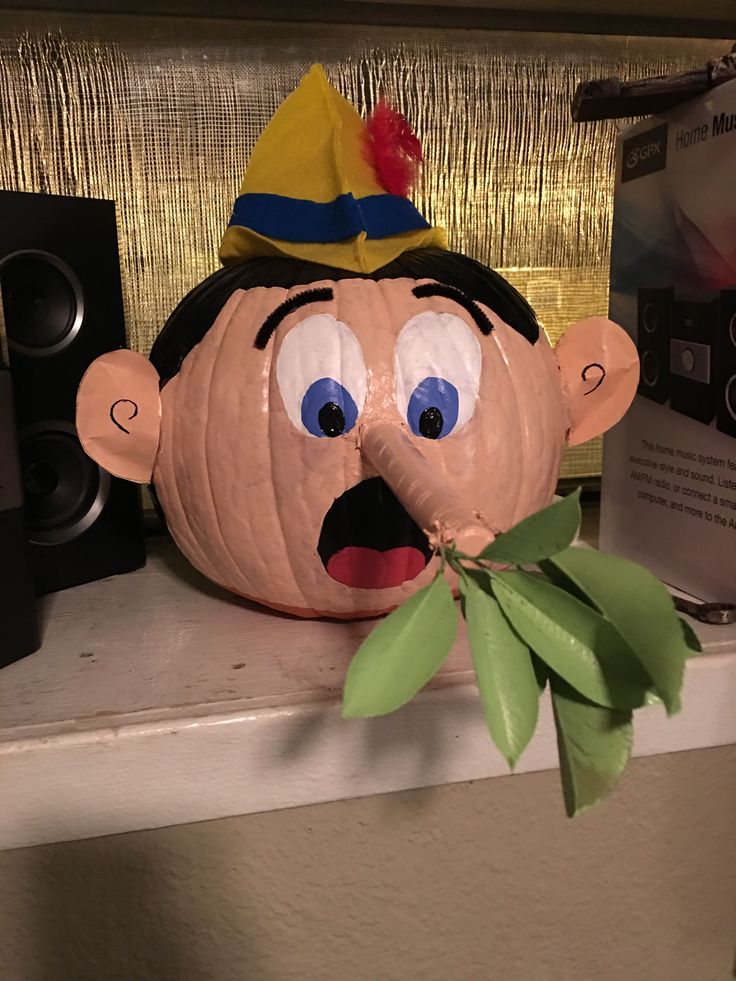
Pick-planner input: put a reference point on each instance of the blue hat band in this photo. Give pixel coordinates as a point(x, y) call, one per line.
point(298, 220)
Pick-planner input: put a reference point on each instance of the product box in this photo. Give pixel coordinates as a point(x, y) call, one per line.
point(669, 468)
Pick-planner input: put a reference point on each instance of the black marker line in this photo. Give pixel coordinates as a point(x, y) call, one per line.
point(112, 413)
point(583, 375)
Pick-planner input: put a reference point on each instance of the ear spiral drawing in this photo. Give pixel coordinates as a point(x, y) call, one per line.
point(132, 416)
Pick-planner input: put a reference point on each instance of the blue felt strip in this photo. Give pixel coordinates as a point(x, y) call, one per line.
point(297, 220)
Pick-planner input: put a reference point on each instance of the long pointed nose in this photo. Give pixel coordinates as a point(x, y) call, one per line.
point(426, 494)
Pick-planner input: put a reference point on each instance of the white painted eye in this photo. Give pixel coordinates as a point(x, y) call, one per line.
point(321, 376)
point(438, 360)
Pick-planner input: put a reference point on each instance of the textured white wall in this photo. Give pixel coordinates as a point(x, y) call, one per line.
point(462, 883)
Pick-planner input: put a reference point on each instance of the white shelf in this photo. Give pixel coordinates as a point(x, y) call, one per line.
point(158, 699)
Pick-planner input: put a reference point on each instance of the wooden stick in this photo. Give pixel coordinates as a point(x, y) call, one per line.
point(610, 98)
point(432, 503)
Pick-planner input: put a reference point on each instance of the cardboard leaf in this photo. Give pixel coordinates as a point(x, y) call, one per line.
point(641, 610)
point(119, 414)
point(538, 536)
point(503, 666)
point(599, 365)
point(402, 653)
point(573, 639)
point(594, 746)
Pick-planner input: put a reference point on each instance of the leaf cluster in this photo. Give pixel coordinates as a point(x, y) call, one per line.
point(600, 631)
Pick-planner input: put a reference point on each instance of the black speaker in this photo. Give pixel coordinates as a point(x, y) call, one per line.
point(654, 310)
point(19, 630)
point(693, 346)
point(62, 302)
point(726, 363)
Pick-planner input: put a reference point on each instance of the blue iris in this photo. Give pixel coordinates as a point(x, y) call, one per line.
point(328, 408)
point(433, 408)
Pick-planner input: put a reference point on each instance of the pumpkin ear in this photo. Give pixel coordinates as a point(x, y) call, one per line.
point(600, 373)
point(119, 414)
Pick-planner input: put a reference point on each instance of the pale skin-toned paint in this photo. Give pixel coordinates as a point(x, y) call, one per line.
point(245, 491)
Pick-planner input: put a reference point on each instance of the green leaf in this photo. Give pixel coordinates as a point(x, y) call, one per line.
point(641, 610)
point(692, 640)
point(503, 667)
point(402, 653)
point(538, 536)
point(594, 746)
point(573, 639)
point(541, 672)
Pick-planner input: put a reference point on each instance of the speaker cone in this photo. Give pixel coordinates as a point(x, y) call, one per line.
point(65, 490)
point(649, 368)
point(42, 303)
point(730, 396)
point(650, 318)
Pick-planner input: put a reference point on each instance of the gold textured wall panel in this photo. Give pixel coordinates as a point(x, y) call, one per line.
point(161, 114)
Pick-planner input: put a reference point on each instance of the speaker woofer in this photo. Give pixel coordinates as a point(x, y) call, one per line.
point(650, 318)
point(730, 396)
point(649, 368)
point(653, 315)
point(65, 491)
point(42, 303)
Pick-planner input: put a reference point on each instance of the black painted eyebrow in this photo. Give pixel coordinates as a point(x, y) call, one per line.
point(453, 293)
point(269, 325)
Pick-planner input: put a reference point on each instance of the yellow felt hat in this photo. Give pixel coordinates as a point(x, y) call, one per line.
point(310, 191)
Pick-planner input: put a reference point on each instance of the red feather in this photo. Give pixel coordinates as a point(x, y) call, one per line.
point(392, 149)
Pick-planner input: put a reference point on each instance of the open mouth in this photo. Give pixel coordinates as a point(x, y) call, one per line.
point(368, 540)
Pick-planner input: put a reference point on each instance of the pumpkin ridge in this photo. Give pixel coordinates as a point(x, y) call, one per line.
point(182, 529)
point(273, 421)
point(240, 572)
point(270, 374)
point(499, 341)
point(186, 489)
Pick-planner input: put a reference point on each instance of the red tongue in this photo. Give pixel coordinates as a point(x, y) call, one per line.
point(368, 568)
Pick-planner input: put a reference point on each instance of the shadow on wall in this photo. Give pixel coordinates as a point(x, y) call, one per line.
point(116, 909)
point(423, 754)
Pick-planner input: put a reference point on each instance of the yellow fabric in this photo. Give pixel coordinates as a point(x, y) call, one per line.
point(359, 254)
point(312, 149)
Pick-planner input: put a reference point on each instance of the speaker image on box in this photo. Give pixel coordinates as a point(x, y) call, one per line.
point(654, 309)
point(726, 363)
point(62, 304)
point(693, 346)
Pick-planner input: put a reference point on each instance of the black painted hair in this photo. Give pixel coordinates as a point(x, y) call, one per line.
point(196, 313)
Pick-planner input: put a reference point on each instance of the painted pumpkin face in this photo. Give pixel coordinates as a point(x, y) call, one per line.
point(319, 440)
point(259, 470)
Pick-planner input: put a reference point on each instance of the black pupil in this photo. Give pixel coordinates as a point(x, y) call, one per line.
point(430, 422)
point(331, 419)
